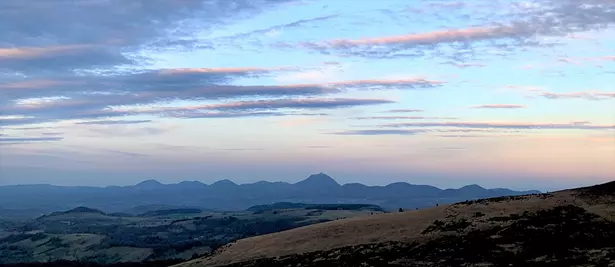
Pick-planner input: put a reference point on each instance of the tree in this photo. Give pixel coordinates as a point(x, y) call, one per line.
point(401, 210)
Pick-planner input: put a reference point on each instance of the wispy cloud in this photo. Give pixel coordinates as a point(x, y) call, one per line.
point(379, 132)
point(224, 115)
point(317, 146)
point(518, 26)
point(590, 95)
point(123, 131)
point(123, 153)
point(405, 118)
point(507, 125)
point(364, 47)
point(463, 136)
point(29, 139)
point(275, 28)
point(111, 38)
point(170, 85)
point(465, 65)
point(403, 110)
point(307, 103)
point(498, 106)
point(52, 133)
point(114, 122)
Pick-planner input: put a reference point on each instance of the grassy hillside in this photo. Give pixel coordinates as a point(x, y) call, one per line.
point(566, 228)
point(89, 235)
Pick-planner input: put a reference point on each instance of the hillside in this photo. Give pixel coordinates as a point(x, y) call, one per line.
point(89, 235)
point(566, 228)
point(35, 200)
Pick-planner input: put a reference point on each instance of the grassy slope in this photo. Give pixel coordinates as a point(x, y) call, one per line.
point(430, 235)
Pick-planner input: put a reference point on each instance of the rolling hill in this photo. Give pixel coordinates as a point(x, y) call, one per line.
point(89, 235)
point(565, 228)
point(35, 200)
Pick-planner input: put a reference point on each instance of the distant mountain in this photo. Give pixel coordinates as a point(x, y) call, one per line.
point(149, 184)
point(227, 195)
point(318, 181)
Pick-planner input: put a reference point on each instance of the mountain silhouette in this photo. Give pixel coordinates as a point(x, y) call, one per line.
point(319, 180)
point(149, 184)
point(318, 188)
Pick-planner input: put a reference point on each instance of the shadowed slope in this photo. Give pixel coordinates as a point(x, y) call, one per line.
point(498, 229)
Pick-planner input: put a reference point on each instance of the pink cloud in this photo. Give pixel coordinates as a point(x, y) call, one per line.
point(36, 52)
point(434, 37)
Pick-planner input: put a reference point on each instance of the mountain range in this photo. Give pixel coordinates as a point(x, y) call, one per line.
point(35, 200)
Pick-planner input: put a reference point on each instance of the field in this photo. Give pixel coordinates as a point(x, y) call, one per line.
point(88, 235)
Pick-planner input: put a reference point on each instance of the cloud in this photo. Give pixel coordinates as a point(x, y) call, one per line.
point(403, 110)
point(122, 131)
point(52, 133)
point(24, 59)
point(222, 115)
point(428, 38)
point(507, 125)
point(242, 149)
point(317, 146)
point(276, 28)
point(498, 106)
point(28, 128)
point(29, 139)
point(405, 118)
point(408, 83)
point(151, 84)
point(595, 95)
point(379, 132)
point(476, 135)
point(460, 133)
point(308, 103)
point(541, 92)
point(465, 65)
point(123, 153)
point(258, 108)
point(392, 46)
point(114, 122)
point(517, 25)
point(41, 34)
point(69, 101)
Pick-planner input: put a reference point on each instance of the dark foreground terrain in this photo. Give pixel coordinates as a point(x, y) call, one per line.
point(155, 236)
point(566, 228)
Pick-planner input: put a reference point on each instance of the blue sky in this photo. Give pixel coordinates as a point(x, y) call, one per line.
point(510, 93)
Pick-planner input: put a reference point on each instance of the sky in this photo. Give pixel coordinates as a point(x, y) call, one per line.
point(500, 93)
